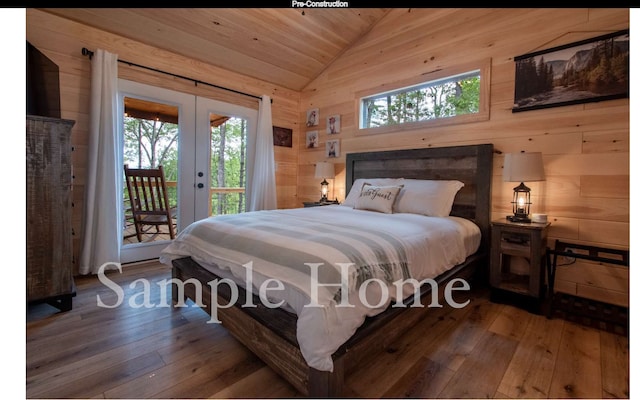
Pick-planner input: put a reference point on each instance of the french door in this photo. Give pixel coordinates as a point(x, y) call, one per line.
point(181, 132)
point(223, 132)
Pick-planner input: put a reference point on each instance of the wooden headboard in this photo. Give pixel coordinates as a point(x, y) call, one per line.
point(472, 165)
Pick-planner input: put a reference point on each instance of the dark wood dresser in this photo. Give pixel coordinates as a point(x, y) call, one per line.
point(48, 213)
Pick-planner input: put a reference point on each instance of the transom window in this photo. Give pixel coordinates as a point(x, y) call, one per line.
point(451, 96)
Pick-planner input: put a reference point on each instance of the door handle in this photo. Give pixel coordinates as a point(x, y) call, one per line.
point(200, 185)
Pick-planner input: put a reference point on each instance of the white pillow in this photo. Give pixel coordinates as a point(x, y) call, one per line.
point(356, 188)
point(377, 198)
point(427, 197)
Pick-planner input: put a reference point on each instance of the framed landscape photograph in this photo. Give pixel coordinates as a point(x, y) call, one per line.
point(591, 70)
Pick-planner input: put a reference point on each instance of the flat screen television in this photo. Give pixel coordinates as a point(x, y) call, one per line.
point(43, 84)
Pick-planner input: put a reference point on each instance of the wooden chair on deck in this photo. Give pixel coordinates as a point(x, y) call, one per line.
point(149, 200)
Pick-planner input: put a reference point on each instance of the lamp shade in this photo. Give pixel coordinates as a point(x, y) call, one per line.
point(325, 170)
point(523, 167)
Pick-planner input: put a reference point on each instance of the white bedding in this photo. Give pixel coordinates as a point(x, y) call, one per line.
point(410, 245)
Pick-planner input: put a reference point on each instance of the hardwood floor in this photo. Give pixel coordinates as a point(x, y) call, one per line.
point(485, 350)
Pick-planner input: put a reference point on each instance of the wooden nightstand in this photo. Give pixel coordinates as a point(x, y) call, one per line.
point(319, 203)
point(517, 270)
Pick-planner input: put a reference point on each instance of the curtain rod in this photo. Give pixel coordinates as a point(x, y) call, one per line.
point(87, 52)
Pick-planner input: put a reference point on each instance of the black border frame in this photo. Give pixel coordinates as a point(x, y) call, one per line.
point(577, 101)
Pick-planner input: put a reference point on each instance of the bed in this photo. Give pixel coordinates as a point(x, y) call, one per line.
point(314, 347)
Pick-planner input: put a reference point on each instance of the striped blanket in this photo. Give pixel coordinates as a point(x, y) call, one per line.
point(282, 245)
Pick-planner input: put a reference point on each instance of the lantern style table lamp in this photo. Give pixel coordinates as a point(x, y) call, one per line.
point(325, 171)
point(522, 167)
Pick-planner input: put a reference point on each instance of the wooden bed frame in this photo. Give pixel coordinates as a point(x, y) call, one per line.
point(271, 333)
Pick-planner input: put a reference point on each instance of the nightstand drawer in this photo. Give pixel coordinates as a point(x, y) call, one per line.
point(516, 244)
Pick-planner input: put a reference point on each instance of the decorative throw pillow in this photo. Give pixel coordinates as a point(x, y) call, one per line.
point(356, 188)
point(427, 197)
point(377, 198)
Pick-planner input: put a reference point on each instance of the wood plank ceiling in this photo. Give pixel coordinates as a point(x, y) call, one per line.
point(285, 46)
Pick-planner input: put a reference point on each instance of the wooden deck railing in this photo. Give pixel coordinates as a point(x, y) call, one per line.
point(212, 191)
point(129, 232)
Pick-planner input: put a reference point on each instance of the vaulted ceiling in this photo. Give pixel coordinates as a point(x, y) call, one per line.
point(285, 46)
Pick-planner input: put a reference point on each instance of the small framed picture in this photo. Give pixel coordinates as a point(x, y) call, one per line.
point(313, 117)
point(312, 139)
point(282, 136)
point(333, 148)
point(333, 124)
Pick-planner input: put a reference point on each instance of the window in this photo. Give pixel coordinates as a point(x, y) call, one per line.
point(441, 98)
point(449, 96)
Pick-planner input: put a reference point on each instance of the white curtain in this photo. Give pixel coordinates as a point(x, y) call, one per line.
point(261, 179)
point(103, 191)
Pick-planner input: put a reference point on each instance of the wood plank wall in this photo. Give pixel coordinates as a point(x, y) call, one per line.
point(62, 41)
point(585, 147)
